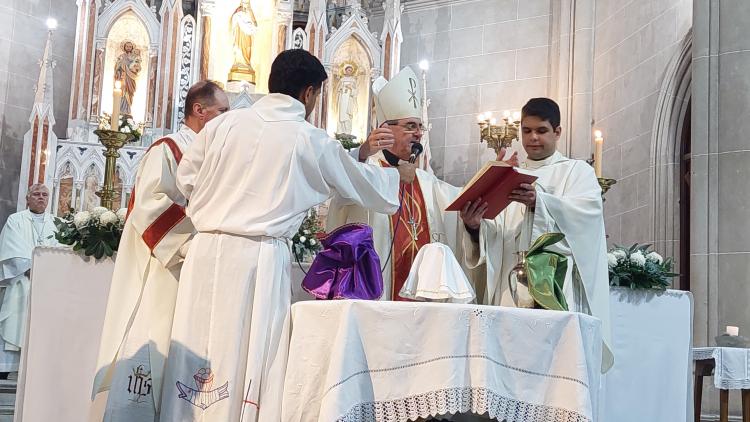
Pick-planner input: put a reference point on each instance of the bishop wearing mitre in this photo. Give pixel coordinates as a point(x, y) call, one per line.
point(566, 198)
point(421, 218)
point(135, 338)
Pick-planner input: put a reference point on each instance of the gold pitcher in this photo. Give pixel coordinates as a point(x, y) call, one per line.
point(517, 275)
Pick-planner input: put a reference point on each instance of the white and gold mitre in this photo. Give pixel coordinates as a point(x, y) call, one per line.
point(399, 98)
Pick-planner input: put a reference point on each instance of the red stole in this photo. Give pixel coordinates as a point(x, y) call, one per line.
point(172, 216)
point(405, 246)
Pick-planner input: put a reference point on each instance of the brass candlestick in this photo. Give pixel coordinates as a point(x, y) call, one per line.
point(604, 182)
point(112, 141)
point(496, 135)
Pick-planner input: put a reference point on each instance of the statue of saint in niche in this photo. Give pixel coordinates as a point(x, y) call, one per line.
point(127, 69)
point(244, 26)
point(346, 91)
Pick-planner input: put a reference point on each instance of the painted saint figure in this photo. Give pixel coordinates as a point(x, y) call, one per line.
point(347, 99)
point(244, 26)
point(127, 68)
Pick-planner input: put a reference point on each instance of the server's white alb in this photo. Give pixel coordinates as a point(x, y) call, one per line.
point(250, 178)
point(568, 201)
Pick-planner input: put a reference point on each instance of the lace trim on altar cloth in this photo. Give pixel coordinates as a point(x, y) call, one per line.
point(458, 400)
point(731, 371)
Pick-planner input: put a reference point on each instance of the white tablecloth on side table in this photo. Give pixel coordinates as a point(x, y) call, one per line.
point(395, 361)
point(732, 370)
point(58, 362)
point(651, 379)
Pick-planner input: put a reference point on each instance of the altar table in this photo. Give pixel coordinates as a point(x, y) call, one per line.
point(66, 315)
point(395, 361)
point(652, 341)
point(730, 368)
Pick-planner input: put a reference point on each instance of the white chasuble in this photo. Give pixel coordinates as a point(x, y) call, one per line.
point(444, 226)
point(135, 338)
point(250, 178)
point(568, 201)
point(23, 231)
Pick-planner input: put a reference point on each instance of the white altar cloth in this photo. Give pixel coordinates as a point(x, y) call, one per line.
point(58, 362)
point(395, 361)
point(651, 379)
point(732, 370)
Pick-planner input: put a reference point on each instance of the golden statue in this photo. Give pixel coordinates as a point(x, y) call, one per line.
point(127, 69)
point(244, 26)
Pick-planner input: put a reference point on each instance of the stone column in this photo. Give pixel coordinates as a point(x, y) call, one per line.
point(98, 78)
point(572, 66)
point(76, 197)
point(720, 193)
point(206, 10)
point(83, 65)
point(391, 38)
point(283, 26)
point(171, 15)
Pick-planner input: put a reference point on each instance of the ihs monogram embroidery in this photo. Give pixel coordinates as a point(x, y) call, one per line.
point(139, 384)
point(204, 396)
point(413, 92)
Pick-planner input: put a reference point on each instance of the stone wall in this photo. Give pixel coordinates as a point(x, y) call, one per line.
point(720, 260)
point(487, 55)
point(22, 39)
point(634, 44)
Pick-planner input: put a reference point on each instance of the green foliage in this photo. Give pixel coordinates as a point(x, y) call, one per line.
point(127, 125)
point(349, 142)
point(637, 267)
point(90, 236)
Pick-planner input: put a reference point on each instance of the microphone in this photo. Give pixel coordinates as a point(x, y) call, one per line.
point(416, 149)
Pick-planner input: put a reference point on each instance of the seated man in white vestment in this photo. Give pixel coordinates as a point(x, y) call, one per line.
point(566, 198)
point(421, 218)
point(135, 339)
point(23, 231)
point(250, 178)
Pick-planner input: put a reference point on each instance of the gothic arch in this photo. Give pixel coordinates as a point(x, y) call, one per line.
point(355, 26)
point(113, 12)
point(672, 107)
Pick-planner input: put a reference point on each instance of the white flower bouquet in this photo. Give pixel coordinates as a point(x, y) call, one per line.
point(127, 125)
point(306, 242)
point(95, 233)
point(639, 268)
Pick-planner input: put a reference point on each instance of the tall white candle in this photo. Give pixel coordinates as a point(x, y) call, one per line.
point(117, 97)
point(598, 145)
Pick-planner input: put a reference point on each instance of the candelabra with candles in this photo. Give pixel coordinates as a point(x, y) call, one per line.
point(112, 140)
point(496, 135)
point(596, 161)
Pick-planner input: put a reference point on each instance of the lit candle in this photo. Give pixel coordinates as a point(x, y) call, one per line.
point(733, 331)
point(598, 144)
point(115, 122)
point(516, 116)
point(506, 114)
point(493, 121)
point(480, 118)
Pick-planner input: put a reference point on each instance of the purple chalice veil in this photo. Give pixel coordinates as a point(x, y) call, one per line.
point(348, 266)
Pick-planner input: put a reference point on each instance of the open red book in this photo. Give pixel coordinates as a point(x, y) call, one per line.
point(494, 182)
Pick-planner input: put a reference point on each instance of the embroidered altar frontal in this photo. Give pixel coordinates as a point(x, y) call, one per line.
point(397, 361)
